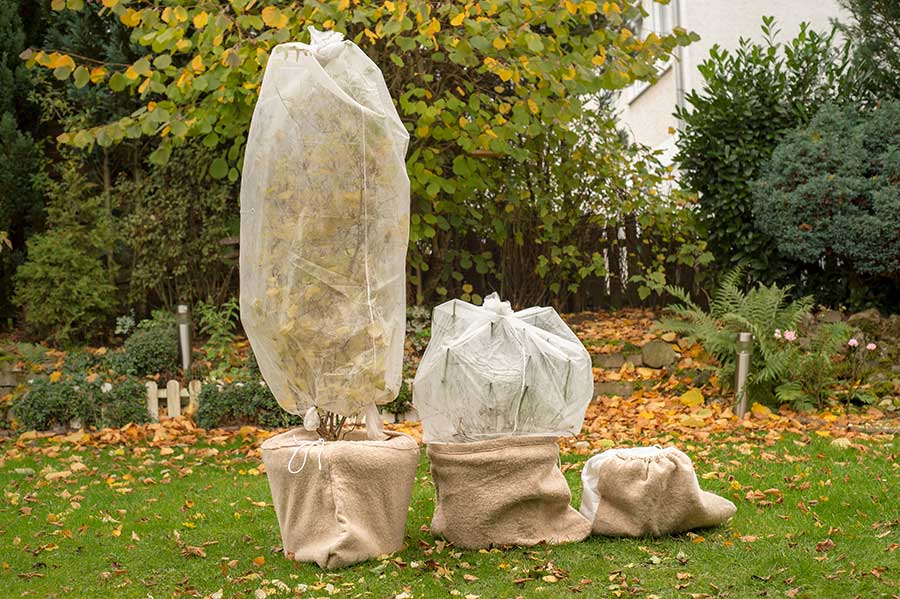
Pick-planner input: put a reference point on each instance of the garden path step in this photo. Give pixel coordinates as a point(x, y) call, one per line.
point(615, 361)
point(619, 388)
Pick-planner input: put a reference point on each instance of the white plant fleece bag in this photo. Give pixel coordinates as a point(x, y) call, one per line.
point(647, 491)
point(490, 372)
point(324, 229)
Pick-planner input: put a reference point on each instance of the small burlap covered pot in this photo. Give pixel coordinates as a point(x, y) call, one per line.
point(340, 502)
point(506, 491)
point(647, 491)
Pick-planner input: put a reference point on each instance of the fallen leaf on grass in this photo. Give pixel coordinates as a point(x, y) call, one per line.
point(760, 411)
point(192, 551)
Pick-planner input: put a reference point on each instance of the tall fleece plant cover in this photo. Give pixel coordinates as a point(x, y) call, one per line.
point(491, 372)
point(324, 229)
point(647, 491)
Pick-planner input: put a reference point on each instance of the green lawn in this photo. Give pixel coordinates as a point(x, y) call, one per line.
point(135, 523)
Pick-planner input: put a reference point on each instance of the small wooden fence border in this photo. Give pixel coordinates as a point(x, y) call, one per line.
point(172, 394)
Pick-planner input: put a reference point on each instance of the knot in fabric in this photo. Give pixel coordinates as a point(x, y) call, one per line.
point(493, 304)
point(320, 443)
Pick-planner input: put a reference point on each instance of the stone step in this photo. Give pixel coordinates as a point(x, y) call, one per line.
point(617, 388)
point(616, 360)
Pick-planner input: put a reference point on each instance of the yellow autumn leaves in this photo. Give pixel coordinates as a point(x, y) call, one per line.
point(274, 18)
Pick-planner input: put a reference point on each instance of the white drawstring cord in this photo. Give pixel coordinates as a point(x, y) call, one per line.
point(309, 445)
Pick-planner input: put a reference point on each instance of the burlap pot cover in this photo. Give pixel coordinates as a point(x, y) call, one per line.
point(647, 491)
point(340, 502)
point(506, 491)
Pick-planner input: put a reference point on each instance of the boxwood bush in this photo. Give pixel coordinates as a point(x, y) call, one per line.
point(151, 349)
point(831, 195)
point(52, 404)
point(242, 402)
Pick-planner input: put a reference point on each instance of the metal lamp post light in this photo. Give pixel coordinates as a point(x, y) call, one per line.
point(183, 320)
point(742, 372)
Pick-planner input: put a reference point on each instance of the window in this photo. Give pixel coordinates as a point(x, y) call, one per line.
point(659, 21)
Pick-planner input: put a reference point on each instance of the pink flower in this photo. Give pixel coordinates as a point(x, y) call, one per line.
point(853, 342)
point(790, 335)
point(871, 346)
point(778, 333)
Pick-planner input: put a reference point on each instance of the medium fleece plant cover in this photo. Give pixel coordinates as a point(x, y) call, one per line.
point(324, 229)
point(490, 372)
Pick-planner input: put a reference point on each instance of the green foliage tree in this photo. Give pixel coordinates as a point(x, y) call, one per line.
point(67, 285)
point(831, 193)
point(174, 219)
point(21, 177)
point(874, 29)
point(483, 87)
point(62, 288)
point(749, 99)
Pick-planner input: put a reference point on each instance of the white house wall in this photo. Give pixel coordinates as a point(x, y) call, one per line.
point(648, 115)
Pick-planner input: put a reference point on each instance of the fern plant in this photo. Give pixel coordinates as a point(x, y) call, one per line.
point(761, 311)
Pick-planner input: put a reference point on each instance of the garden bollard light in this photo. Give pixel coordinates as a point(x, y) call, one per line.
point(742, 371)
point(183, 319)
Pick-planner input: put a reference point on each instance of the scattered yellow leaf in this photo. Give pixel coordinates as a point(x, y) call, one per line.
point(760, 410)
point(692, 397)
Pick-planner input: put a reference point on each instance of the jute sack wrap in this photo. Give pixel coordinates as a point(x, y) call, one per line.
point(647, 491)
point(340, 502)
point(506, 491)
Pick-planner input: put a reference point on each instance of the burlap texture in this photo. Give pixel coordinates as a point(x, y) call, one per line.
point(506, 491)
point(648, 495)
point(352, 509)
